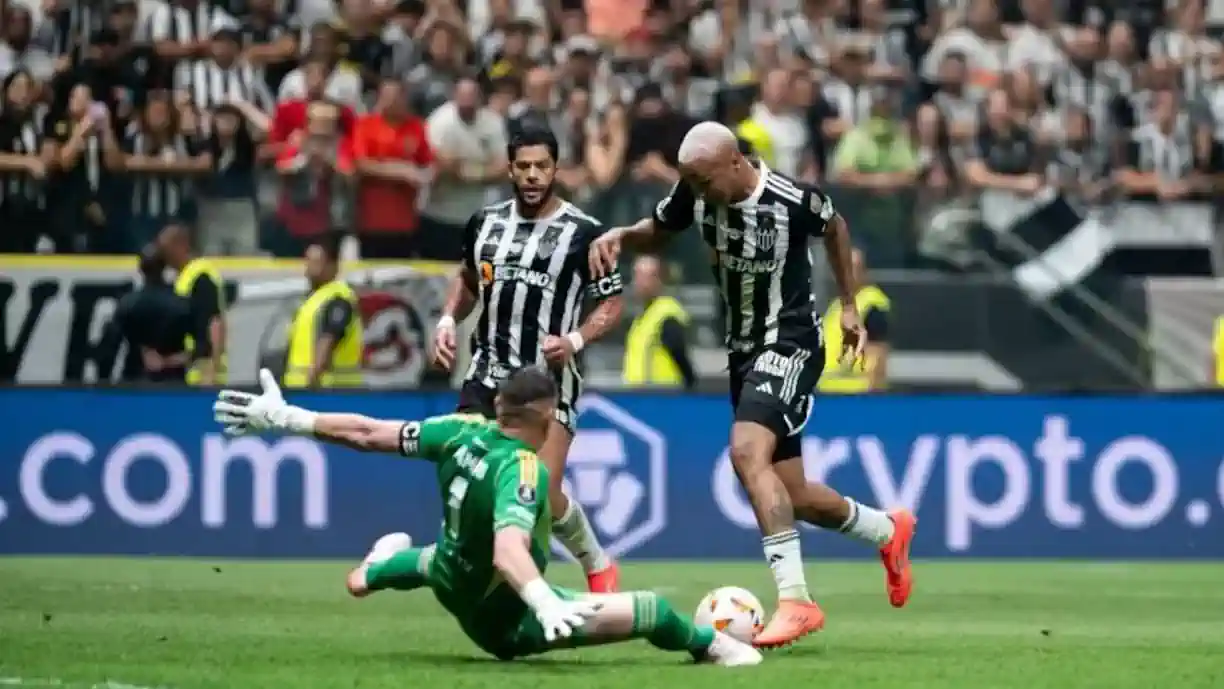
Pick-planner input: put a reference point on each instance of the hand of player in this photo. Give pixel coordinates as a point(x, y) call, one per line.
point(243, 412)
point(605, 252)
point(854, 334)
point(557, 350)
point(444, 346)
point(560, 619)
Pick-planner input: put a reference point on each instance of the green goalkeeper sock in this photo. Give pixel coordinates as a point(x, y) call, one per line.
point(403, 571)
point(656, 621)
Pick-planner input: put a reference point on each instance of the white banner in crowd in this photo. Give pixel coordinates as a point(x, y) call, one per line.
point(56, 309)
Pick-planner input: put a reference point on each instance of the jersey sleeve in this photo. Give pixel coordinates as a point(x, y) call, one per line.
point(675, 212)
point(817, 211)
point(470, 232)
point(611, 284)
point(433, 438)
point(517, 492)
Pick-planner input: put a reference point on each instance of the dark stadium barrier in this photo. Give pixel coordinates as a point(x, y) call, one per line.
point(147, 472)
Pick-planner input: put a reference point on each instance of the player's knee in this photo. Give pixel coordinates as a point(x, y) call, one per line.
point(749, 455)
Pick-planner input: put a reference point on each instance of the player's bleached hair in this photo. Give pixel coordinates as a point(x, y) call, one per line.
point(704, 141)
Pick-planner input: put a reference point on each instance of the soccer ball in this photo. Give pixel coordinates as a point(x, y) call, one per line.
point(733, 611)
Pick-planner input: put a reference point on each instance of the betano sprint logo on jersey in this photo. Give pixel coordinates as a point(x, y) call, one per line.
point(490, 273)
point(617, 472)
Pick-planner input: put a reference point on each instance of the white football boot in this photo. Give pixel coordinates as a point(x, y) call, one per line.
point(387, 546)
point(730, 652)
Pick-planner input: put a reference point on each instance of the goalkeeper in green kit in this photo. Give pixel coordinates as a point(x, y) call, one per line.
point(487, 568)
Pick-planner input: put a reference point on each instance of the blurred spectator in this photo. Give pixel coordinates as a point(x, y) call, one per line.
point(469, 143)
point(401, 34)
point(341, 83)
point(980, 40)
point(290, 114)
point(66, 27)
point(536, 110)
point(116, 71)
point(394, 168)
point(655, 132)
point(877, 154)
point(849, 93)
point(1037, 43)
point(223, 76)
point(229, 219)
point(316, 170)
point(1029, 106)
point(362, 43)
point(1079, 166)
point(161, 155)
point(270, 41)
point(182, 30)
point(18, 51)
point(777, 114)
point(1160, 162)
point(26, 157)
point(1004, 155)
point(504, 52)
point(433, 80)
point(575, 131)
point(955, 102)
point(83, 212)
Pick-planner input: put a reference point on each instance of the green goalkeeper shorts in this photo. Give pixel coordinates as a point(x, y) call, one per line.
point(503, 626)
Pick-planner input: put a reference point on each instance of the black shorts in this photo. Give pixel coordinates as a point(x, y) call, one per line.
point(775, 388)
point(477, 398)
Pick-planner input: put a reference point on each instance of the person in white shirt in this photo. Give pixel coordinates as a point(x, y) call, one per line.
point(785, 126)
point(469, 142)
point(344, 82)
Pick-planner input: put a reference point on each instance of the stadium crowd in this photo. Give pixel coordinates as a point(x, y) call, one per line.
point(262, 123)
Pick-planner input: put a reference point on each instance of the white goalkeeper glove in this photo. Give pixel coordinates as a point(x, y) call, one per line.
point(243, 412)
point(559, 618)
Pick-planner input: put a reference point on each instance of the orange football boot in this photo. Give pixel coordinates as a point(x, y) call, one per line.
point(606, 580)
point(793, 620)
point(896, 558)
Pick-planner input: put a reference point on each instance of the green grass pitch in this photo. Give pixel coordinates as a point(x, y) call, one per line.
point(175, 623)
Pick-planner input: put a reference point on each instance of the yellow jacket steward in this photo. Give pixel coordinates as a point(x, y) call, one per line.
point(848, 378)
point(1217, 346)
point(646, 359)
point(345, 368)
point(184, 284)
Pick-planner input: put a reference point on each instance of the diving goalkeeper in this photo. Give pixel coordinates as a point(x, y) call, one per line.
point(487, 568)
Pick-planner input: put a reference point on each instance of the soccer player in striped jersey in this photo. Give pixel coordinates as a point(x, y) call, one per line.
point(757, 224)
point(525, 264)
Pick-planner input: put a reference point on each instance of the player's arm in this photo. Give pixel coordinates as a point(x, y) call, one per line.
point(425, 439)
point(607, 293)
point(514, 520)
point(463, 288)
point(672, 215)
point(822, 220)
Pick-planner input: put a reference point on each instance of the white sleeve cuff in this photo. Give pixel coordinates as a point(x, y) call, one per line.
point(298, 421)
point(537, 594)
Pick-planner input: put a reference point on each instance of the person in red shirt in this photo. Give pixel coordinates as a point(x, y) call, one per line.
point(316, 168)
point(290, 115)
point(394, 165)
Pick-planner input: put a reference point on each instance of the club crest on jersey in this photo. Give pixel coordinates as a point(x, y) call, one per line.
point(767, 231)
point(549, 242)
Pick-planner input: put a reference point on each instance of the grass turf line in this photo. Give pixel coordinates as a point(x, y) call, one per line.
point(186, 624)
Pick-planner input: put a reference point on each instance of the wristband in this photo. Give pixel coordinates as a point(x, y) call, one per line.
point(537, 594)
point(576, 340)
point(447, 321)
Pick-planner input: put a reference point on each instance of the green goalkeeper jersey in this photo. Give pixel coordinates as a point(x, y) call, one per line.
point(489, 481)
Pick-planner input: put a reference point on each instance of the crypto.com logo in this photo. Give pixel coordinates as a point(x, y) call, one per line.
point(617, 471)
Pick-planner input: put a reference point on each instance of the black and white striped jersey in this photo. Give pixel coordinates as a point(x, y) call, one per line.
point(209, 84)
point(533, 282)
point(760, 256)
point(22, 137)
